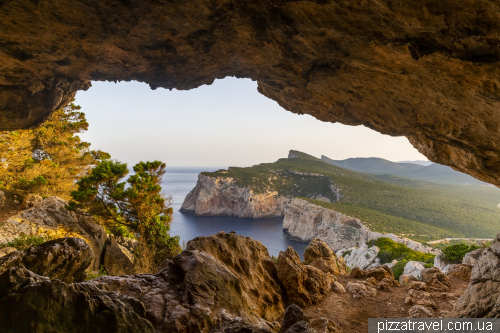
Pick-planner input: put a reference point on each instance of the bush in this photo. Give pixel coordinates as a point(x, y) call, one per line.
point(399, 268)
point(24, 242)
point(391, 250)
point(91, 275)
point(456, 253)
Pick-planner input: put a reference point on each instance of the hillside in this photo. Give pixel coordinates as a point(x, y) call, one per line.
point(387, 203)
point(432, 173)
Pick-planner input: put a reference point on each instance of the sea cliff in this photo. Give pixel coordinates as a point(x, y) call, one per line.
point(305, 221)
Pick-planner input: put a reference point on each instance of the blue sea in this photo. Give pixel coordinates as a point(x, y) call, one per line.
point(179, 181)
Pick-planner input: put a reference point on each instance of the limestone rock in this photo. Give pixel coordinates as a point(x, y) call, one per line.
point(304, 284)
point(435, 279)
point(65, 259)
point(338, 288)
point(420, 311)
point(361, 257)
point(441, 263)
point(305, 221)
point(6, 250)
point(482, 297)
point(417, 285)
point(118, 260)
point(390, 265)
point(31, 200)
point(221, 197)
point(318, 254)
point(460, 271)
point(360, 290)
point(49, 217)
point(414, 268)
point(419, 297)
point(237, 326)
point(251, 263)
point(33, 303)
point(405, 279)
point(324, 325)
point(472, 257)
point(357, 273)
point(379, 273)
point(293, 315)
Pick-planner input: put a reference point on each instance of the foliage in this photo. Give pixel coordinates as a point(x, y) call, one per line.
point(91, 275)
point(456, 253)
point(391, 250)
point(137, 204)
point(48, 159)
point(24, 242)
point(419, 210)
point(399, 268)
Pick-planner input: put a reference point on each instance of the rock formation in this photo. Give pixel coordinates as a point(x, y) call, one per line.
point(389, 66)
point(49, 217)
point(319, 255)
point(414, 268)
point(118, 260)
point(65, 259)
point(306, 221)
point(30, 303)
point(304, 284)
point(221, 197)
point(435, 279)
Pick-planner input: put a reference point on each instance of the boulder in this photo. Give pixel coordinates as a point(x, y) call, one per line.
point(338, 288)
point(420, 311)
point(31, 200)
point(460, 271)
point(237, 326)
point(472, 257)
point(405, 279)
point(318, 254)
point(293, 315)
point(372, 281)
point(357, 273)
point(386, 284)
point(65, 259)
point(379, 272)
point(324, 325)
point(50, 217)
point(414, 268)
point(419, 297)
point(6, 250)
point(361, 257)
point(361, 289)
point(251, 263)
point(118, 260)
point(435, 279)
point(481, 299)
point(301, 327)
point(417, 285)
point(304, 284)
point(30, 304)
point(391, 265)
point(441, 263)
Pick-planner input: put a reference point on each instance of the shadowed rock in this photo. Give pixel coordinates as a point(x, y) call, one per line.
point(65, 259)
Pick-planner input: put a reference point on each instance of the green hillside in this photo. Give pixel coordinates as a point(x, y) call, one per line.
point(387, 203)
point(432, 173)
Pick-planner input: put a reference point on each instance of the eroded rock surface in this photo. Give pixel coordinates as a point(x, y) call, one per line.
point(318, 254)
point(65, 259)
point(390, 66)
point(49, 217)
point(118, 260)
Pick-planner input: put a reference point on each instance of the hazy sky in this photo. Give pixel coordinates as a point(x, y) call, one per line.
point(226, 124)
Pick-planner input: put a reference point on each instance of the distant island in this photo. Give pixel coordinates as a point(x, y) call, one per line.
point(384, 202)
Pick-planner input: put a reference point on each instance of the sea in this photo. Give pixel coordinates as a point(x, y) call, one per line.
point(178, 182)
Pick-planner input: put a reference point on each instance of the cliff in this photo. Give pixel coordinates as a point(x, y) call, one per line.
point(305, 221)
point(222, 197)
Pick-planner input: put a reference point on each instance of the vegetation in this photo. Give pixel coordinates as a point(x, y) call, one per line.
point(456, 253)
point(137, 205)
point(399, 268)
point(47, 160)
point(91, 275)
point(24, 242)
point(418, 210)
point(391, 250)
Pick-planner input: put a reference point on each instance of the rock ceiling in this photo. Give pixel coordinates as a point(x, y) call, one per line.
point(427, 70)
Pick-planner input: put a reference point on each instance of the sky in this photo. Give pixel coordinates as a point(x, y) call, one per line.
point(228, 123)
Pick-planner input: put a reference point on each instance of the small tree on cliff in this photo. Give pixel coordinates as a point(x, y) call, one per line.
point(48, 159)
point(136, 204)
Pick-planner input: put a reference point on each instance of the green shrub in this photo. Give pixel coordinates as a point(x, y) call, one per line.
point(399, 268)
point(24, 242)
point(91, 275)
point(391, 250)
point(346, 253)
point(456, 253)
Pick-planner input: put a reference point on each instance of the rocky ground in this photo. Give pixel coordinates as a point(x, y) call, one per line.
point(9, 206)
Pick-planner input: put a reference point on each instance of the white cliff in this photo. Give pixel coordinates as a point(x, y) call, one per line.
point(305, 221)
point(221, 197)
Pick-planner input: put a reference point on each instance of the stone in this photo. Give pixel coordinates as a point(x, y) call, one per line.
point(338, 288)
point(372, 281)
point(6, 250)
point(304, 284)
point(379, 272)
point(50, 217)
point(417, 285)
point(420, 311)
point(460, 271)
point(481, 299)
point(32, 303)
point(293, 315)
point(361, 257)
point(390, 265)
point(405, 279)
point(237, 326)
point(301, 327)
point(357, 273)
point(386, 284)
point(31, 200)
point(65, 259)
point(118, 260)
point(318, 254)
point(419, 297)
point(360, 290)
point(441, 263)
point(435, 279)
point(414, 268)
point(325, 325)
point(3, 199)
point(472, 257)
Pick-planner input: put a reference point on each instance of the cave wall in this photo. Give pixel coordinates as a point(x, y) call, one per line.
point(424, 69)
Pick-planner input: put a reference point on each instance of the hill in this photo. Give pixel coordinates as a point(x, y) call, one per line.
point(431, 173)
point(420, 210)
